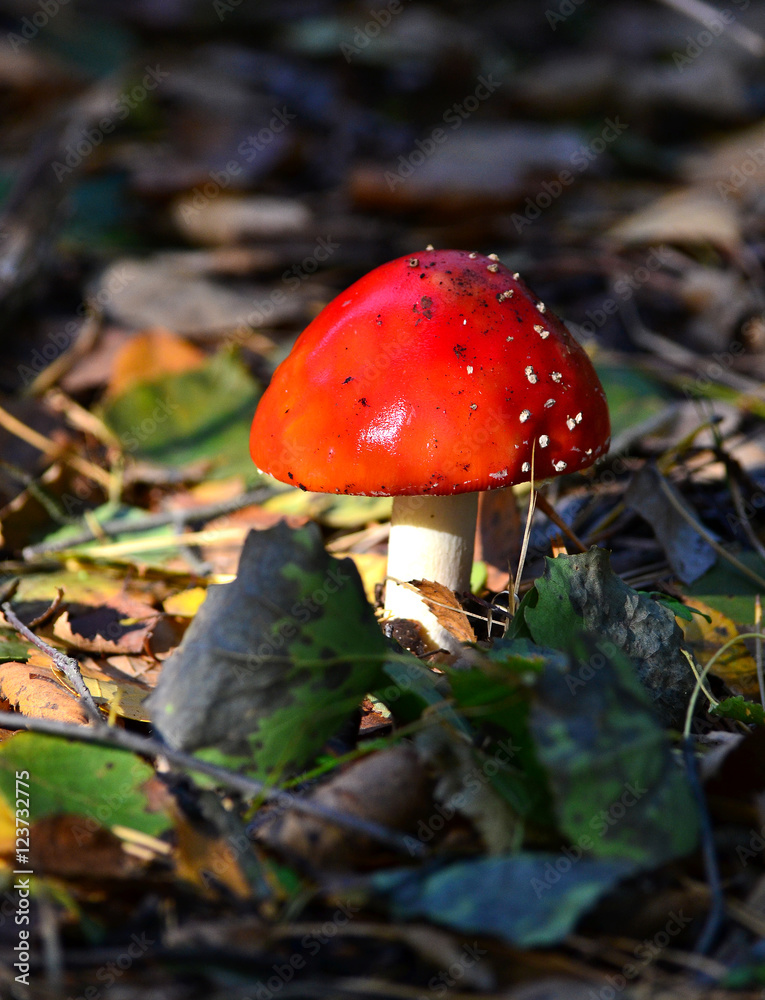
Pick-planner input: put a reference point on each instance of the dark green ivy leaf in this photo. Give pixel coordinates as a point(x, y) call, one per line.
point(531, 900)
point(581, 594)
point(618, 792)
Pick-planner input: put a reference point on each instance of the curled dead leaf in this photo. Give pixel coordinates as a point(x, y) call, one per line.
point(390, 787)
point(446, 609)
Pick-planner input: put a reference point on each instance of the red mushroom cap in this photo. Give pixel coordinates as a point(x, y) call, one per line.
point(434, 374)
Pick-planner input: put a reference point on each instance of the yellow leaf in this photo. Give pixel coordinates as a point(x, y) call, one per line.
point(7, 829)
point(123, 698)
point(186, 603)
point(327, 508)
point(737, 666)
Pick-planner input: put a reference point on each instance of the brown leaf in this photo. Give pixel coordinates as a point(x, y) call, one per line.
point(498, 537)
point(200, 858)
point(451, 616)
point(390, 787)
point(690, 216)
point(33, 691)
point(722, 164)
point(148, 353)
point(123, 625)
point(76, 847)
point(120, 693)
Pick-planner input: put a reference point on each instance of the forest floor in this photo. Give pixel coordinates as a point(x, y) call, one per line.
point(306, 808)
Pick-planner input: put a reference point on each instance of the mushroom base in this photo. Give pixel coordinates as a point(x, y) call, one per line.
point(431, 538)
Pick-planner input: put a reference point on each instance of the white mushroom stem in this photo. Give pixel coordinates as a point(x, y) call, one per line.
point(431, 538)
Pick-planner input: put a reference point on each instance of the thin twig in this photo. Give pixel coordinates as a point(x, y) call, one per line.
point(111, 736)
point(52, 450)
point(713, 702)
point(121, 526)
point(66, 664)
point(52, 608)
point(550, 512)
point(80, 418)
point(84, 341)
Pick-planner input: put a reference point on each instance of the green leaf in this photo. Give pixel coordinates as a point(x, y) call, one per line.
point(12, 646)
point(678, 609)
point(202, 414)
point(741, 710)
point(530, 900)
point(125, 514)
point(414, 689)
point(580, 594)
point(495, 697)
point(100, 783)
point(617, 789)
point(273, 663)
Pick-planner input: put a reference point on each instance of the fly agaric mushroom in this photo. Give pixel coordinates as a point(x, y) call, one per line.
point(430, 379)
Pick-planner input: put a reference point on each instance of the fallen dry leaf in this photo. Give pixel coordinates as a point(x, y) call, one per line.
point(389, 787)
point(205, 860)
point(227, 220)
point(446, 608)
point(34, 692)
point(186, 603)
point(76, 847)
point(121, 625)
point(160, 291)
point(123, 695)
point(733, 166)
point(690, 216)
point(736, 666)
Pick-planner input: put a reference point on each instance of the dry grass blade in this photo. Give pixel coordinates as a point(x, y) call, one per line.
point(114, 550)
point(53, 450)
point(80, 418)
point(513, 598)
